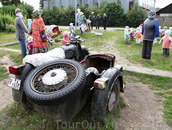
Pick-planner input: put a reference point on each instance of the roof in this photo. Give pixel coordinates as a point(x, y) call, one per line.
point(165, 10)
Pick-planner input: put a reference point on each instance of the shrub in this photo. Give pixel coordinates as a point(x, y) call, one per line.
point(10, 28)
point(5, 20)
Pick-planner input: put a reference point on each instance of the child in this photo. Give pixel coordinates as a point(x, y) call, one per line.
point(65, 37)
point(166, 40)
point(30, 45)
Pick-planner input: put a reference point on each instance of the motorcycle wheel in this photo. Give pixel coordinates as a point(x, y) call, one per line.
point(54, 82)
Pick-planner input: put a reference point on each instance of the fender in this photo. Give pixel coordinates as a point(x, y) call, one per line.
point(100, 96)
point(18, 94)
point(84, 52)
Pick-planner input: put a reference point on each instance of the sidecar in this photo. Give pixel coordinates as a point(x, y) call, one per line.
point(61, 88)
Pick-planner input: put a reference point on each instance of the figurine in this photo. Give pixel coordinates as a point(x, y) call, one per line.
point(72, 29)
point(65, 37)
point(170, 31)
point(82, 21)
point(138, 35)
point(141, 39)
point(166, 40)
point(131, 34)
point(160, 31)
point(78, 15)
point(126, 34)
point(163, 31)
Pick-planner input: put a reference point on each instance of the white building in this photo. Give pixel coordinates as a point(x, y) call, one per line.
point(127, 4)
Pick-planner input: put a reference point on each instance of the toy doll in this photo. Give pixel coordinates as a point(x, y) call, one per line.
point(131, 34)
point(170, 31)
point(72, 30)
point(126, 34)
point(65, 37)
point(30, 45)
point(163, 31)
point(138, 35)
point(166, 40)
point(160, 31)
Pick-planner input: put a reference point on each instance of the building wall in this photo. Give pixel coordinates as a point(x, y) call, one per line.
point(164, 21)
point(149, 4)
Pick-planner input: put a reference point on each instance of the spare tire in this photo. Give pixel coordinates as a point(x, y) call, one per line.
point(54, 82)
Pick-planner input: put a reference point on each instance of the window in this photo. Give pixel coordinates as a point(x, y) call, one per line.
point(119, 2)
point(131, 4)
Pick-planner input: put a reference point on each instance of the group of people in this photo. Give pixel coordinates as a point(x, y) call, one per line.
point(98, 20)
point(38, 41)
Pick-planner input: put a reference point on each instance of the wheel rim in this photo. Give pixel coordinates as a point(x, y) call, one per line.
point(69, 75)
point(112, 97)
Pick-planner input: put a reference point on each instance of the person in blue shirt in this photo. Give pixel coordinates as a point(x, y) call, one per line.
point(150, 31)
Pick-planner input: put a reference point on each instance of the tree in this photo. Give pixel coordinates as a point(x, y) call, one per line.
point(136, 16)
point(10, 2)
point(115, 14)
point(41, 4)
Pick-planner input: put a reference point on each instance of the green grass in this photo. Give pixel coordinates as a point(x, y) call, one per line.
point(167, 105)
point(7, 37)
point(16, 57)
point(16, 117)
point(155, 82)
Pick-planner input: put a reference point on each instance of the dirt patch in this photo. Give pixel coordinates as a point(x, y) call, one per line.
point(143, 111)
point(5, 91)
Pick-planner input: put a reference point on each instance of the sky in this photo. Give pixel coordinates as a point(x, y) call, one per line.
point(159, 3)
point(162, 3)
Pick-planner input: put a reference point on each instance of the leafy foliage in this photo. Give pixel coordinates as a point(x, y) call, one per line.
point(10, 9)
point(10, 2)
point(115, 14)
point(41, 4)
point(5, 20)
point(136, 16)
point(10, 28)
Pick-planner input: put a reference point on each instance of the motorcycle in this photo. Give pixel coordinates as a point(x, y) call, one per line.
point(57, 85)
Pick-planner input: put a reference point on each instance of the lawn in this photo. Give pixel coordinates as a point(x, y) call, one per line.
point(7, 37)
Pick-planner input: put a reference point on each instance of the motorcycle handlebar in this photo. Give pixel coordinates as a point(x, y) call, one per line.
point(58, 40)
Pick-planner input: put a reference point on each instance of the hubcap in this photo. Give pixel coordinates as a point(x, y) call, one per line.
point(55, 77)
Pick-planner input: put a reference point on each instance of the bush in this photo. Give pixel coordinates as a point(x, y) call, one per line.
point(5, 20)
point(136, 16)
point(115, 14)
point(10, 28)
